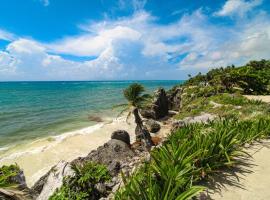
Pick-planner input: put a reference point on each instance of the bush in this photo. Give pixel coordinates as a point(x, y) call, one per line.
point(7, 173)
point(252, 78)
point(82, 184)
point(191, 154)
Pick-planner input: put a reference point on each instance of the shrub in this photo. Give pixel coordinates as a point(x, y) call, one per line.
point(7, 173)
point(191, 154)
point(82, 184)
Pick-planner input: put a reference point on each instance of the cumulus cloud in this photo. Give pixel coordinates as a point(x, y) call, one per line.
point(26, 59)
point(237, 7)
point(92, 44)
point(138, 47)
point(249, 40)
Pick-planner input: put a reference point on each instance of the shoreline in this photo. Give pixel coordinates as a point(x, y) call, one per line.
point(37, 157)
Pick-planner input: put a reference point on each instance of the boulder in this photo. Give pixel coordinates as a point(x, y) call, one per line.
point(174, 98)
point(110, 154)
point(160, 103)
point(152, 126)
point(159, 107)
point(53, 180)
point(203, 118)
point(121, 135)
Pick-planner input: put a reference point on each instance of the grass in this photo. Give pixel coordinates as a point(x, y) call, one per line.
point(190, 155)
point(234, 105)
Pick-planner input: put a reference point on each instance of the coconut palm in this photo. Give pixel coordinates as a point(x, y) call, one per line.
point(136, 100)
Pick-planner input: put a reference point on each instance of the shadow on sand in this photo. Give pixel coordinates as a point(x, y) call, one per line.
point(223, 178)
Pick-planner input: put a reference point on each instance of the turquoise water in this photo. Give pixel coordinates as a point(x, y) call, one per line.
point(32, 110)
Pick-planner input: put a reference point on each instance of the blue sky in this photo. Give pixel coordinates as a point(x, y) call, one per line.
point(128, 39)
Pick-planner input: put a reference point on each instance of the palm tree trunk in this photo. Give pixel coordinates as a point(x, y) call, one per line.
point(141, 132)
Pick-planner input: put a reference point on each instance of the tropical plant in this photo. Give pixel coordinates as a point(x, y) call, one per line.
point(9, 187)
point(192, 154)
point(136, 100)
point(82, 185)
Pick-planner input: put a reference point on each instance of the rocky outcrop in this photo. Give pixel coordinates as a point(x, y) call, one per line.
point(174, 98)
point(121, 135)
point(152, 125)
point(47, 185)
point(159, 107)
point(111, 154)
point(203, 118)
point(20, 192)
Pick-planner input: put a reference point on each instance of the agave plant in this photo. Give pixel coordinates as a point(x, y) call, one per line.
point(136, 100)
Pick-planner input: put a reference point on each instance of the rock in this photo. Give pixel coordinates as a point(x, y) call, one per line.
point(159, 107)
point(172, 113)
point(177, 124)
point(160, 103)
point(174, 98)
point(143, 136)
point(95, 118)
point(121, 135)
point(110, 154)
point(114, 167)
point(19, 179)
point(148, 113)
point(152, 126)
point(101, 188)
point(203, 118)
point(53, 179)
point(14, 194)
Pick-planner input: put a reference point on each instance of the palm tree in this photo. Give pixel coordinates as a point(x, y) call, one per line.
point(136, 99)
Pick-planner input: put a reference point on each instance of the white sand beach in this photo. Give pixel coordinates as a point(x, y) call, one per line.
point(253, 183)
point(39, 156)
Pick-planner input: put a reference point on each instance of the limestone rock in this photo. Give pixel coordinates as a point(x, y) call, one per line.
point(159, 107)
point(174, 98)
point(121, 135)
point(152, 126)
point(54, 179)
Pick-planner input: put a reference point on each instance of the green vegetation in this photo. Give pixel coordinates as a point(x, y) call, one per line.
point(7, 174)
point(253, 78)
point(190, 155)
point(136, 99)
point(195, 152)
point(82, 184)
point(220, 104)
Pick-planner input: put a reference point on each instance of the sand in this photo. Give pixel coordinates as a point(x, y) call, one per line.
point(252, 182)
point(38, 157)
point(265, 98)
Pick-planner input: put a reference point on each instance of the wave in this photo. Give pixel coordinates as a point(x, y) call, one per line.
point(53, 140)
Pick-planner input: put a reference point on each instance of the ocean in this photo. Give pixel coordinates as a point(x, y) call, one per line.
point(34, 110)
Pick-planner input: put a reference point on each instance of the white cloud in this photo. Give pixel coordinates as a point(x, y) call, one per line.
point(4, 35)
point(138, 47)
point(247, 41)
point(92, 44)
point(26, 59)
point(237, 7)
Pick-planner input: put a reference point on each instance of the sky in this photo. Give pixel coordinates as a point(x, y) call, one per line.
point(48, 40)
